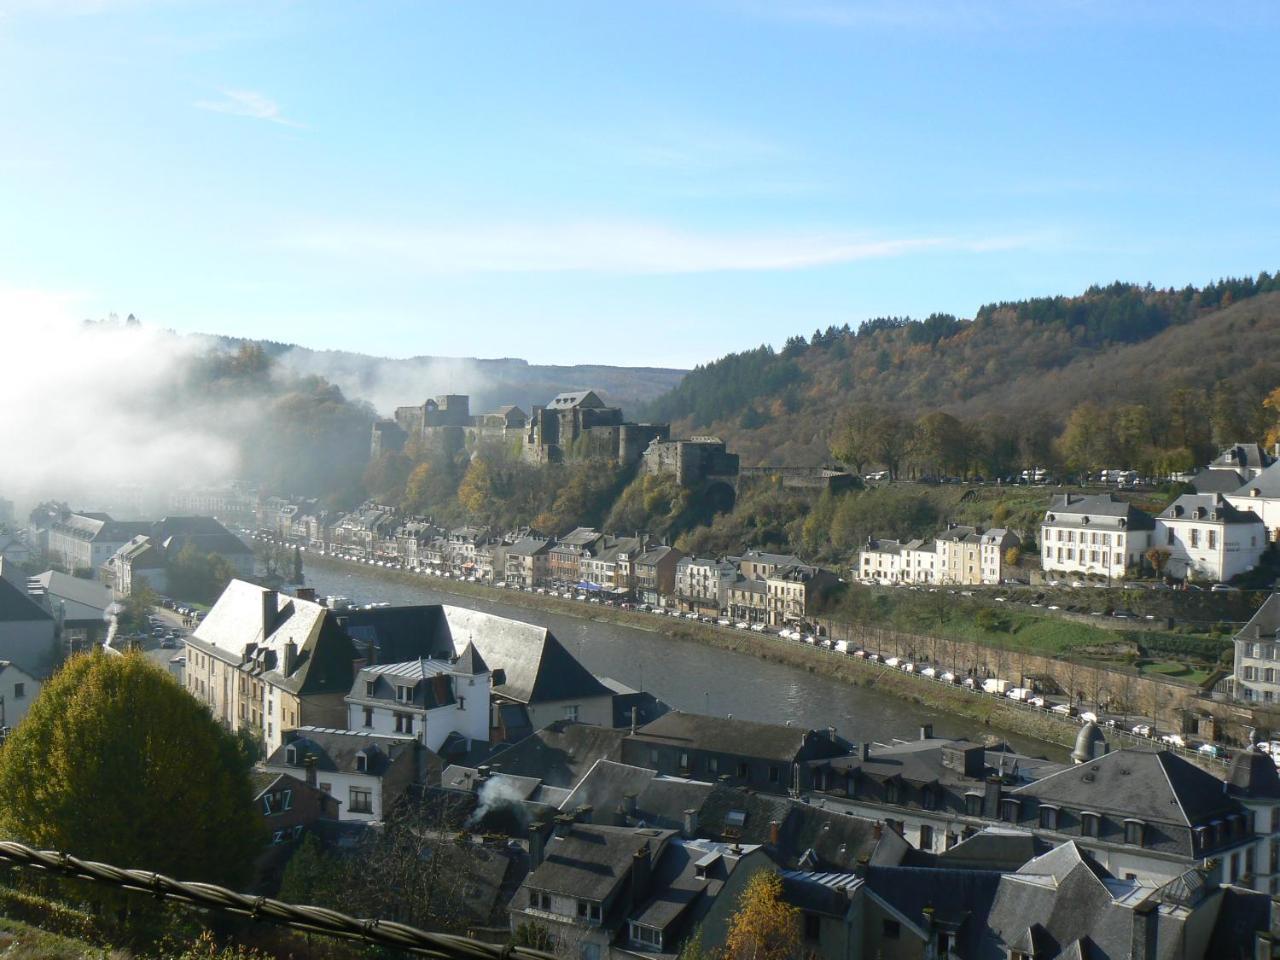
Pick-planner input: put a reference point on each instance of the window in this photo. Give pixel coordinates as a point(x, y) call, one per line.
point(462, 703)
point(19, 691)
point(588, 910)
point(1213, 539)
point(926, 837)
point(361, 800)
point(362, 763)
point(973, 804)
point(1048, 818)
point(774, 774)
point(713, 765)
point(1195, 538)
point(891, 791)
point(368, 716)
point(369, 686)
point(571, 713)
point(1133, 830)
point(743, 772)
point(653, 756)
point(291, 756)
point(404, 694)
point(944, 944)
point(890, 929)
point(539, 900)
point(404, 723)
point(684, 760)
point(1090, 823)
point(1009, 810)
point(327, 788)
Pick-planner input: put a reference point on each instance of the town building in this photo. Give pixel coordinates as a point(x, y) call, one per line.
point(266, 662)
point(607, 566)
point(1208, 538)
point(528, 562)
point(85, 541)
point(80, 607)
point(18, 690)
point(794, 594)
point(28, 629)
point(432, 700)
point(892, 561)
point(363, 532)
point(702, 584)
point(14, 548)
point(737, 752)
point(1261, 496)
point(447, 422)
point(567, 553)
point(655, 574)
point(147, 556)
point(367, 773)
point(1256, 667)
point(1100, 535)
point(288, 805)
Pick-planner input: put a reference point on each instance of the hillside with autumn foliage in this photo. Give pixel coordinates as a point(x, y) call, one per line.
point(1190, 366)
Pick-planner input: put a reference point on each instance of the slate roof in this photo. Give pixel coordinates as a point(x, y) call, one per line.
point(1068, 510)
point(1215, 509)
point(653, 555)
point(721, 735)
point(687, 878)
point(994, 849)
point(1267, 484)
point(575, 398)
point(324, 652)
point(1265, 621)
point(83, 600)
point(205, 533)
point(960, 899)
point(16, 606)
point(400, 633)
point(1247, 455)
point(1241, 917)
point(429, 681)
point(536, 667)
point(825, 893)
point(1151, 786)
point(590, 861)
point(659, 801)
point(1216, 481)
point(336, 750)
point(559, 754)
point(1253, 774)
point(142, 554)
point(528, 547)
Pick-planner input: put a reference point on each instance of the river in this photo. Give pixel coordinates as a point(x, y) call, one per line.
point(689, 676)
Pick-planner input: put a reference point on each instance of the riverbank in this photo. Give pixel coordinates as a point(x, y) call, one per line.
point(989, 715)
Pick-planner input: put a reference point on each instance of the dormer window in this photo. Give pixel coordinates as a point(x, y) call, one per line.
point(369, 687)
point(1048, 817)
point(1090, 825)
point(291, 756)
point(1009, 810)
point(404, 694)
point(362, 762)
point(1134, 832)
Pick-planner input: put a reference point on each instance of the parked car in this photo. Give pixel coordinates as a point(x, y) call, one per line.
point(757, 627)
point(929, 672)
point(893, 661)
point(1216, 751)
point(1037, 702)
point(947, 677)
point(1141, 730)
point(1065, 710)
point(1088, 716)
point(1173, 740)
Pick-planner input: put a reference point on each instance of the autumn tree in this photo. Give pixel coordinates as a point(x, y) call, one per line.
point(1158, 557)
point(1085, 442)
point(764, 927)
point(116, 762)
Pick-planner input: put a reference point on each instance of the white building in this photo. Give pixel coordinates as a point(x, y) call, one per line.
point(1261, 495)
point(994, 545)
point(85, 541)
point(1208, 538)
point(703, 584)
point(1099, 535)
point(880, 561)
point(17, 691)
point(427, 699)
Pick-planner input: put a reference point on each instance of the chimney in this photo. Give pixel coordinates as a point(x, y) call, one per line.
point(310, 764)
point(564, 823)
point(634, 711)
point(831, 734)
point(290, 657)
point(926, 731)
point(1146, 918)
point(640, 870)
point(775, 828)
point(537, 843)
point(583, 813)
point(690, 824)
point(865, 749)
point(270, 608)
point(991, 799)
point(306, 593)
point(482, 773)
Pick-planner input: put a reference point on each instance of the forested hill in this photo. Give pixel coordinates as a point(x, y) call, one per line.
point(1029, 361)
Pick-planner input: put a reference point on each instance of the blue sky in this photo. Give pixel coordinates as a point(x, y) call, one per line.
point(649, 183)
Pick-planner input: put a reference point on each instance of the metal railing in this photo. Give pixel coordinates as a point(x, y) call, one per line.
point(305, 919)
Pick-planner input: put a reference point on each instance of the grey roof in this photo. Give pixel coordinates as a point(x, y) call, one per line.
point(429, 681)
point(654, 555)
point(590, 861)
point(536, 667)
point(205, 534)
point(1253, 774)
point(337, 750)
point(15, 605)
point(659, 801)
point(1266, 484)
point(529, 547)
point(559, 754)
point(994, 849)
point(1070, 510)
point(1207, 507)
point(1265, 621)
point(82, 600)
point(1241, 455)
point(575, 398)
point(1216, 481)
point(825, 893)
point(723, 735)
point(1151, 786)
point(470, 662)
point(687, 878)
point(953, 896)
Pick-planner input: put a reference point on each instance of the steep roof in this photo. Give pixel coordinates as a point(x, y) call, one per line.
point(589, 861)
point(1157, 786)
point(732, 736)
point(206, 534)
point(1207, 507)
point(536, 667)
point(16, 606)
point(1253, 774)
point(336, 751)
point(83, 600)
point(575, 398)
point(1267, 484)
point(561, 753)
point(1241, 455)
point(1070, 510)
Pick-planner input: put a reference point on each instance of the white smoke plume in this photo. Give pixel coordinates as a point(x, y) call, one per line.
point(494, 793)
point(87, 409)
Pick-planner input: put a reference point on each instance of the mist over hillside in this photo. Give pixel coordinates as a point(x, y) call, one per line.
point(387, 383)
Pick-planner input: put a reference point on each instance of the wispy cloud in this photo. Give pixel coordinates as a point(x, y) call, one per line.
point(247, 103)
point(612, 247)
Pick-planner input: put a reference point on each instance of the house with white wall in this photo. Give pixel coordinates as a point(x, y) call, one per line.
point(702, 583)
point(1098, 535)
point(1261, 495)
point(17, 691)
point(1208, 538)
point(431, 700)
